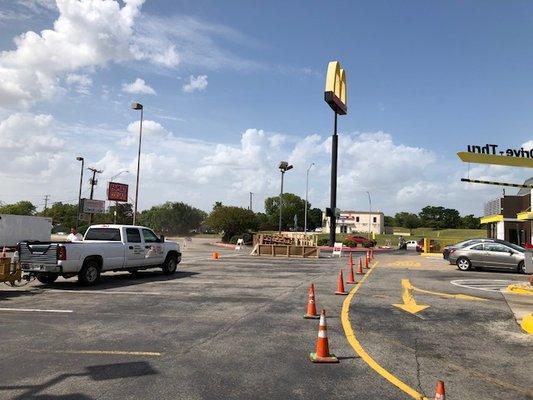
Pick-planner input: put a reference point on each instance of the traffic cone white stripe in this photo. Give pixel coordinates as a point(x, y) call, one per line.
point(322, 334)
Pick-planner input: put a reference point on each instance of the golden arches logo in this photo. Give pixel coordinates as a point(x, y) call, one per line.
point(335, 92)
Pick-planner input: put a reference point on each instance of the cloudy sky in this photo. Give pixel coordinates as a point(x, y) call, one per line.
point(232, 88)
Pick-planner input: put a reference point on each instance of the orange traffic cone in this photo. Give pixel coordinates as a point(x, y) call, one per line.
point(350, 260)
point(351, 278)
point(440, 392)
point(215, 255)
point(322, 354)
point(340, 285)
point(366, 262)
point(360, 269)
point(311, 306)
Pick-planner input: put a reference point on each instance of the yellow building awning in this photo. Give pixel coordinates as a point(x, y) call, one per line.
point(524, 215)
point(495, 159)
point(491, 218)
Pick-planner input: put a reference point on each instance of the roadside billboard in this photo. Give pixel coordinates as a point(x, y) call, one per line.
point(91, 206)
point(117, 192)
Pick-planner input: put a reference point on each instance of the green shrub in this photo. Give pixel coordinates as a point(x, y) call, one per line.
point(322, 242)
point(349, 243)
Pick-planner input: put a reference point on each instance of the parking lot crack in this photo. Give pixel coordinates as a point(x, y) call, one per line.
point(418, 381)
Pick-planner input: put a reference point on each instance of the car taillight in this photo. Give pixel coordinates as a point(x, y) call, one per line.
point(61, 253)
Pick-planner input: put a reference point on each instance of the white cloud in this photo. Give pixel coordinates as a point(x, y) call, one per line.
point(81, 82)
point(528, 145)
point(151, 130)
point(86, 34)
point(28, 132)
point(138, 86)
point(38, 150)
point(198, 83)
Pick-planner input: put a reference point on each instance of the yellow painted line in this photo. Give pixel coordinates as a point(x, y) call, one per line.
point(519, 289)
point(409, 304)
point(448, 295)
point(527, 323)
point(431, 255)
point(352, 339)
point(106, 352)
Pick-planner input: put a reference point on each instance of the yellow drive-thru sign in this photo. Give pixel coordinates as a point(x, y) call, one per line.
point(335, 92)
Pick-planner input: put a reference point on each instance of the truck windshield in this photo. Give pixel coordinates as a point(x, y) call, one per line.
point(108, 234)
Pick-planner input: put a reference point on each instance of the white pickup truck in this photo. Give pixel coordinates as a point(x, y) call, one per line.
point(104, 248)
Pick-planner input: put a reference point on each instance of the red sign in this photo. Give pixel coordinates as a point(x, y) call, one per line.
point(117, 192)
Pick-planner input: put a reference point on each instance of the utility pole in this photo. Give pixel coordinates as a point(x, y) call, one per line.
point(251, 201)
point(46, 198)
point(93, 182)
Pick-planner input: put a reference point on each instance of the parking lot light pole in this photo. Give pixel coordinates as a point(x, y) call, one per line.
point(283, 167)
point(369, 213)
point(82, 160)
point(306, 195)
point(138, 106)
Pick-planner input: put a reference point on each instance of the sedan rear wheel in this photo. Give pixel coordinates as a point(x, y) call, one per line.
point(463, 264)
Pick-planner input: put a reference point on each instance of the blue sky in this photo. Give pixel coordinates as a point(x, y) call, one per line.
point(424, 80)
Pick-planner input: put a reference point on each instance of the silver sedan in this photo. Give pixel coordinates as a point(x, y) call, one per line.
point(489, 255)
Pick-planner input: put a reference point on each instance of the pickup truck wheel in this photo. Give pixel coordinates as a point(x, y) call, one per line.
point(170, 265)
point(90, 273)
point(47, 278)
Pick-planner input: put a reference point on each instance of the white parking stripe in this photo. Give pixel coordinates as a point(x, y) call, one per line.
point(101, 292)
point(35, 310)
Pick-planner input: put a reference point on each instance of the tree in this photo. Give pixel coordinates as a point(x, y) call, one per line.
point(124, 213)
point(439, 217)
point(470, 222)
point(407, 220)
point(172, 218)
point(20, 208)
point(314, 218)
point(389, 221)
point(63, 216)
point(292, 205)
point(231, 221)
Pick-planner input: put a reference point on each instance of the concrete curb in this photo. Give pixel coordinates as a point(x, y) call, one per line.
point(226, 245)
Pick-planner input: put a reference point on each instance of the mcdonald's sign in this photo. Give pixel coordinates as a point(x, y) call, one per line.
point(335, 92)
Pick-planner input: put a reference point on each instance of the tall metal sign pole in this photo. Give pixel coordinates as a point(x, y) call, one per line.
point(335, 96)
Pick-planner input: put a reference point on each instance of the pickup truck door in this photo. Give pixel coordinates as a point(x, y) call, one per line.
point(134, 248)
point(154, 253)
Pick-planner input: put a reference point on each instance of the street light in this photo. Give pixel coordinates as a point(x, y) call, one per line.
point(79, 195)
point(138, 106)
point(283, 167)
point(306, 194)
point(370, 213)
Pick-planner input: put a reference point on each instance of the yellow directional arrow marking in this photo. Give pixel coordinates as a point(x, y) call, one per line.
point(409, 304)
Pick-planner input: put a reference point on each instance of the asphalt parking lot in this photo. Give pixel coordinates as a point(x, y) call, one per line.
point(233, 328)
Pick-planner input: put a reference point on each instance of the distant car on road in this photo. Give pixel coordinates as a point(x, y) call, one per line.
point(412, 245)
point(494, 255)
point(363, 241)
